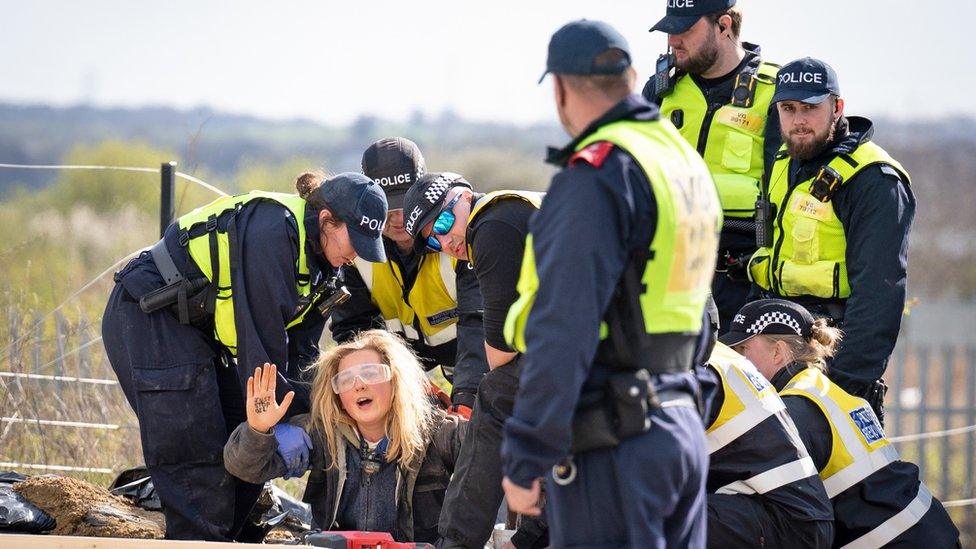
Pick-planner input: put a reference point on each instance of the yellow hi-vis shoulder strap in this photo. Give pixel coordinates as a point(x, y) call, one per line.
point(533, 198)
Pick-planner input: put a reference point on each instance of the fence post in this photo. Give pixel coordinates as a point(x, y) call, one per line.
point(60, 334)
point(968, 489)
point(948, 371)
point(167, 183)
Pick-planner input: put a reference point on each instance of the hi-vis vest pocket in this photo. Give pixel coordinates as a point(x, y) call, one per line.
point(816, 279)
point(759, 268)
point(806, 243)
point(737, 193)
point(737, 153)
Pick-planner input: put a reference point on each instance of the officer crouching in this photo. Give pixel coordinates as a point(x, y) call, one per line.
point(615, 276)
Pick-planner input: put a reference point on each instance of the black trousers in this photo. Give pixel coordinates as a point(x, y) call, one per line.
point(475, 492)
point(187, 403)
point(747, 521)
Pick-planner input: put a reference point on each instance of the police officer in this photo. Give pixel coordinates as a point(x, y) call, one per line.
point(614, 282)
point(489, 231)
point(878, 499)
point(432, 300)
point(837, 231)
point(237, 281)
point(717, 91)
point(763, 488)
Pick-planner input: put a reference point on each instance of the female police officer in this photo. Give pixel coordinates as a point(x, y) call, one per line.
point(878, 499)
point(234, 278)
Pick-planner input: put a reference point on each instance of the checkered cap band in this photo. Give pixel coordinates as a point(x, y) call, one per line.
point(774, 317)
point(435, 192)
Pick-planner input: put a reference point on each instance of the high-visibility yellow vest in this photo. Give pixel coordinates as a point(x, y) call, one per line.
point(225, 329)
point(730, 140)
point(809, 256)
point(679, 272)
point(750, 400)
point(533, 198)
point(431, 302)
point(858, 449)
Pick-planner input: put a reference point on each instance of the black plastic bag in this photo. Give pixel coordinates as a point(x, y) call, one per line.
point(16, 513)
point(136, 485)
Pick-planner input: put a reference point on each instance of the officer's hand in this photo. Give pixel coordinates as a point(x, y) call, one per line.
point(523, 500)
point(263, 412)
point(293, 447)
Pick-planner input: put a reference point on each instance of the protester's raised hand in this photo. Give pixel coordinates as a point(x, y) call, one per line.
point(263, 410)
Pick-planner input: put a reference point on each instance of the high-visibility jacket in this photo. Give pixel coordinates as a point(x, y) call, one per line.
point(678, 272)
point(808, 257)
point(531, 197)
point(729, 138)
point(749, 401)
point(429, 311)
point(203, 235)
point(858, 450)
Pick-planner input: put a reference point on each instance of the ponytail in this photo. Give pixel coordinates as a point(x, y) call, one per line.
point(814, 352)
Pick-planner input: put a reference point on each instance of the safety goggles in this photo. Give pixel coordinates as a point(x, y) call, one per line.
point(443, 224)
point(370, 374)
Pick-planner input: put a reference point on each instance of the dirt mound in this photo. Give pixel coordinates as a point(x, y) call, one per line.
point(82, 509)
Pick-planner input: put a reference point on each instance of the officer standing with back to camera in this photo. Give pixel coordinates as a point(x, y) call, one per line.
point(231, 286)
point(488, 230)
point(431, 299)
point(717, 91)
point(837, 212)
point(613, 285)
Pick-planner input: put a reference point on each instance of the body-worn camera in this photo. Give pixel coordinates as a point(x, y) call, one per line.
point(826, 184)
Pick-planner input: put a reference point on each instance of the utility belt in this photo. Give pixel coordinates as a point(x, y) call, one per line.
point(604, 418)
point(189, 299)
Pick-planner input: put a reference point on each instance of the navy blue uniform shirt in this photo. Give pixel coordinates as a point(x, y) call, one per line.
point(591, 220)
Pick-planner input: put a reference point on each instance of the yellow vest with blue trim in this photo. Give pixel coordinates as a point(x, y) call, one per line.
point(225, 329)
point(748, 401)
point(431, 303)
point(809, 253)
point(532, 197)
point(678, 275)
point(730, 139)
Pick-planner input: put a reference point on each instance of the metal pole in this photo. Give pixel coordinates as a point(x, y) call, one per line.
point(167, 183)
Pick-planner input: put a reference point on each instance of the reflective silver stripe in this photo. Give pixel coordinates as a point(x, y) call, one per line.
point(449, 333)
point(865, 461)
point(448, 275)
point(863, 466)
point(756, 409)
point(893, 527)
point(365, 269)
point(773, 478)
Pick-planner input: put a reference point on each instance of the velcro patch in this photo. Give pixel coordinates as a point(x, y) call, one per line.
point(594, 155)
point(868, 423)
point(442, 317)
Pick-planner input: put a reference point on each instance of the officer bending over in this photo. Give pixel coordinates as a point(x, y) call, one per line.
point(878, 499)
point(614, 282)
point(488, 230)
point(432, 300)
point(763, 488)
point(839, 211)
point(245, 275)
point(718, 91)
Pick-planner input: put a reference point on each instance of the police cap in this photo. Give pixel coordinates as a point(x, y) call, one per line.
point(422, 203)
point(808, 80)
point(769, 317)
point(573, 49)
point(360, 203)
point(395, 163)
point(682, 14)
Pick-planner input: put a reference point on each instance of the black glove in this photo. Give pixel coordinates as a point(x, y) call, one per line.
point(874, 393)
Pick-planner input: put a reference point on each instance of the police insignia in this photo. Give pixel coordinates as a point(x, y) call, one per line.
point(442, 317)
point(594, 154)
point(868, 423)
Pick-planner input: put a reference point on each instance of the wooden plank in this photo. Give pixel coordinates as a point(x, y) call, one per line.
point(27, 541)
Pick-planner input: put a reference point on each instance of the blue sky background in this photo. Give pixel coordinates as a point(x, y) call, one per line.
point(334, 60)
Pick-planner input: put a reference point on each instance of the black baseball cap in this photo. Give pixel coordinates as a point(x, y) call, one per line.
point(360, 203)
point(394, 163)
point(768, 317)
point(808, 80)
point(683, 14)
point(423, 200)
point(574, 48)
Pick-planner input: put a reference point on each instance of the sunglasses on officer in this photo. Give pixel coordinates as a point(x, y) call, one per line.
point(443, 224)
point(370, 374)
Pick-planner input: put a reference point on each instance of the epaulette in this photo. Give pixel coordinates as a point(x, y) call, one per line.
point(594, 154)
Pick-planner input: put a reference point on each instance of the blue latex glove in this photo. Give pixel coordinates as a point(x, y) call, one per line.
point(293, 446)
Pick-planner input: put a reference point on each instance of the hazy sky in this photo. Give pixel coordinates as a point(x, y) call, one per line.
point(331, 60)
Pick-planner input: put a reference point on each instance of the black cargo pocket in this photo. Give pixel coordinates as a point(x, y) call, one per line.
point(179, 413)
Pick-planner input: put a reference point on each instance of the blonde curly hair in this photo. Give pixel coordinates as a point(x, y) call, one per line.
point(411, 413)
